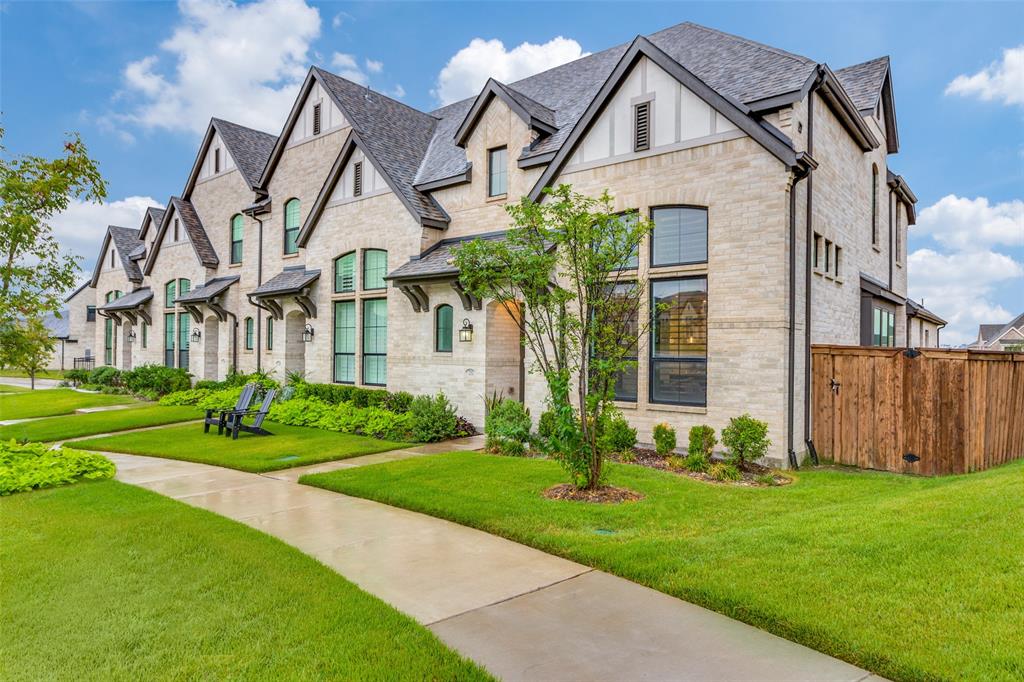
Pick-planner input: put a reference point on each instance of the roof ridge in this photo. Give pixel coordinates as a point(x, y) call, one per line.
point(375, 92)
point(884, 57)
point(740, 39)
point(239, 125)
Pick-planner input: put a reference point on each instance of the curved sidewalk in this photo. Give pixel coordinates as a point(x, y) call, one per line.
point(521, 613)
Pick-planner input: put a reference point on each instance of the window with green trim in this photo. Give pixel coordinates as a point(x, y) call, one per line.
point(237, 230)
point(184, 286)
point(443, 329)
point(345, 273)
point(345, 342)
point(248, 333)
point(375, 341)
point(169, 293)
point(270, 333)
point(291, 226)
point(375, 267)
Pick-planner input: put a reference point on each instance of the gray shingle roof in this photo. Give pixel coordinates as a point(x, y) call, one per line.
point(207, 291)
point(989, 332)
point(532, 106)
point(129, 301)
point(59, 326)
point(437, 261)
point(741, 69)
point(863, 82)
point(288, 281)
point(126, 240)
point(396, 136)
point(918, 310)
point(249, 148)
point(196, 233)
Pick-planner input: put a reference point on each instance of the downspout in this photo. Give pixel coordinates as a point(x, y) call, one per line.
point(798, 175)
point(259, 281)
point(808, 245)
point(234, 340)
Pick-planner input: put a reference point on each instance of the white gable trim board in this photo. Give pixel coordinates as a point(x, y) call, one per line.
point(373, 182)
point(679, 120)
point(209, 163)
point(331, 118)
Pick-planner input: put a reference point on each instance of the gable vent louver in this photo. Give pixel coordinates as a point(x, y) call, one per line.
point(642, 127)
point(357, 179)
point(316, 119)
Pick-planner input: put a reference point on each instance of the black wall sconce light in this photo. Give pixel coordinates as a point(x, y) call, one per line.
point(131, 336)
point(307, 334)
point(196, 335)
point(466, 333)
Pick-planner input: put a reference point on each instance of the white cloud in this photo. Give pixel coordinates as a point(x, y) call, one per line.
point(968, 224)
point(340, 18)
point(242, 62)
point(398, 92)
point(346, 66)
point(959, 287)
point(468, 70)
point(374, 66)
point(1001, 80)
point(80, 228)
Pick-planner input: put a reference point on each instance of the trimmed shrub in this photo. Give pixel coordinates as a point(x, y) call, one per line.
point(156, 379)
point(433, 418)
point(399, 402)
point(209, 384)
point(664, 439)
point(507, 426)
point(723, 471)
point(546, 424)
point(34, 465)
point(189, 397)
point(697, 463)
point(77, 376)
point(702, 441)
point(224, 399)
point(105, 376)
point(746, 438)
point(617, 435)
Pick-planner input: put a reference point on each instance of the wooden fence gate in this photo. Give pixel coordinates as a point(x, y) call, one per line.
point(923, 411)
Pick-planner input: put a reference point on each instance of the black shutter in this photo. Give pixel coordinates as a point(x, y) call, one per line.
point(642, 131)
point(316, 119)
point(357, 179)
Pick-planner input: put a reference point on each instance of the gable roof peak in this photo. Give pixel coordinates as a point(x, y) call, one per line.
point(194, 230)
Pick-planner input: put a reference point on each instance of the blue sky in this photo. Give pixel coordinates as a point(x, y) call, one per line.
point(139, 79)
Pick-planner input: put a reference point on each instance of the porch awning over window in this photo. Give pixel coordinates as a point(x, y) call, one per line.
point(878, 288)
point(436, 264)
point(208, 294)
point(129, 305)
point(292, 282)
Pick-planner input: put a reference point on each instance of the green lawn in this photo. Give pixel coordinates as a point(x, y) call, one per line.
point(42, 374)
point(290, 446)
point(912, 578)
point(54, 401)
point(76, 425)
point(105, 581)
point(9, 388)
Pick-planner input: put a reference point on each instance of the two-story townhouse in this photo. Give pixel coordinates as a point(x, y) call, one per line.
point(777, 224)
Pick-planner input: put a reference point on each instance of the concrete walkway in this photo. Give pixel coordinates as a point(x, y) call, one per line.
point(521, 613)
point(27, 383)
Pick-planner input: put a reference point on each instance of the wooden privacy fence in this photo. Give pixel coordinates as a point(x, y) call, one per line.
point(923, 411)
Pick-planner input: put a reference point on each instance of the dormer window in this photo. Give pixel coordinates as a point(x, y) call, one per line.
point(316, 119)
point(642, 127)
point(357, 179)
point(497, 172)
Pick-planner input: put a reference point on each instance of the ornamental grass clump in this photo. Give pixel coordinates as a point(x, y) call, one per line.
point(507, 426)
point(32, 466)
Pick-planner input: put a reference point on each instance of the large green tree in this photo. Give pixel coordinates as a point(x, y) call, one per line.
point(566, 273)
point(34, 272)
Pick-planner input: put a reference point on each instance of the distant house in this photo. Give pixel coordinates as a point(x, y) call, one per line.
point(922, 326)
point(1009, 336)
point(74, 323)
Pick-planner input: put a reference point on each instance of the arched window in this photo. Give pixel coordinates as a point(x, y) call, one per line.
point(237, 226)
point(874, 204)
point(375, 267)
point(248, 333)
point(291, 226)
point(169, 293)
point(184, 286)
point(345, 273)
point(443, 329)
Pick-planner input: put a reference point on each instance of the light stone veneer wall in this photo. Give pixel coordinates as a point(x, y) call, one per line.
point(81, 332)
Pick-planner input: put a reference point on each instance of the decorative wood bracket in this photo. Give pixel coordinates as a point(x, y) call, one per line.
point(145, 316)
point(130, 316)
point(270, 305)
point(469, 301)
point(306, 304)
point(218, 309)
point(195, 312)
point(416, 308)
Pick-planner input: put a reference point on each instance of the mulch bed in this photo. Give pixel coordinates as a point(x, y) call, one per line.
point(606, 494)
point(651, 459)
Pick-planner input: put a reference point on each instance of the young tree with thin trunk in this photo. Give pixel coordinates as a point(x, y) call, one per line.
point(566, 273)
point(34, 274)
point(26, 345)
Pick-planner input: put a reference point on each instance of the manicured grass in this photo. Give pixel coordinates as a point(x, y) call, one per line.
point(290, 446)
point(107, 581)
point(9, 388)
point(54, 401)
point(912, 578)
point(77, 425)
point(42, 374)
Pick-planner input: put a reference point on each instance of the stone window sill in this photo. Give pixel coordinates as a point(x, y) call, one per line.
point(678, 409)
point(497, 199)
point(234, 265)
point(290, 255)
